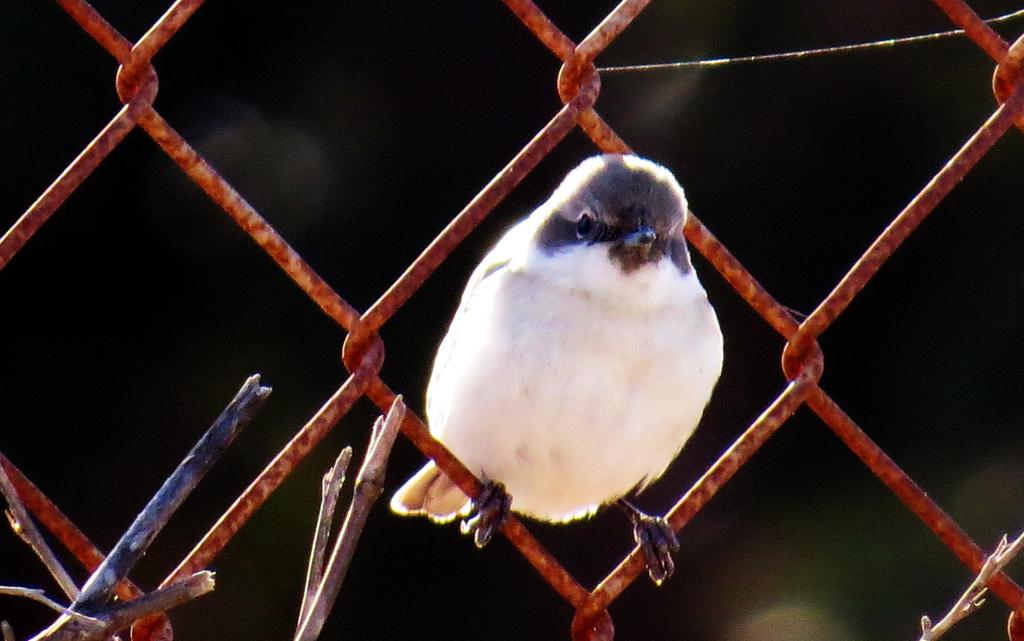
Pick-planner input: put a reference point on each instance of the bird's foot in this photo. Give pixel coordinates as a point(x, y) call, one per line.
point(657, 541)
point(490, 510)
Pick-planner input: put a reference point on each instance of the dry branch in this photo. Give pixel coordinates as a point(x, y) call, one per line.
point(368, 487)
point(973, 597)
point(136, 540)
point(88, 617)
point(331, 486)
point(72, 626)
point(35, 594)
point(23, 525)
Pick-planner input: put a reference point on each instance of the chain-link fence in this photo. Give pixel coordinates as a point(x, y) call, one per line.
point(579, 86)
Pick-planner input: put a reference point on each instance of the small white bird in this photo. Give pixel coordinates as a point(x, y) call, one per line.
point(579, 361)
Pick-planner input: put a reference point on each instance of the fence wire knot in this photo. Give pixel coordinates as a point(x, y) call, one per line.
point(363, 352)
point(1009, 77)
point(576, 72)
point(137, 81)
point(587, 627)
point(803, 358)
point(1015, 626)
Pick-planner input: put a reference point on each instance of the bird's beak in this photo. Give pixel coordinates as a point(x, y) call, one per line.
point(641, 238)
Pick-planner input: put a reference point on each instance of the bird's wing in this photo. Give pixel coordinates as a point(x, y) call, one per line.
point(495, 265)
point(514, 244)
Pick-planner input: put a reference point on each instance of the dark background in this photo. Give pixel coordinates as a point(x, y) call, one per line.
point(358, 130)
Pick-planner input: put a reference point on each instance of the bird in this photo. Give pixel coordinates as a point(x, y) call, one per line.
point(581, 357)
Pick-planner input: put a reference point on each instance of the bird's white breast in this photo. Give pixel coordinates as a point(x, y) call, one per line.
point(570, 381)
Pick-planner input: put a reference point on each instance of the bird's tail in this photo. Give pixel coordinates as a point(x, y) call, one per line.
point(432, 494)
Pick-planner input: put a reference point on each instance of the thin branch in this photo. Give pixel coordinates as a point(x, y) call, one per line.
point(137, 538)
point(71, 626)
point(973, 596)
point(23, 525)
point(331, 486)
point(34, 594)
point(369, 485)
point(121, 615)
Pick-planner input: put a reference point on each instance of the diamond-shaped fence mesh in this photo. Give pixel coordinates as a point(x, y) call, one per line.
point(579, 86)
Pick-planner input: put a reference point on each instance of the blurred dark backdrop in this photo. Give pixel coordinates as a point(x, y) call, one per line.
point(359, 130)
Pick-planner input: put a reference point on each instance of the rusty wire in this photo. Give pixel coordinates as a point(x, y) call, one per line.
point(578, 85)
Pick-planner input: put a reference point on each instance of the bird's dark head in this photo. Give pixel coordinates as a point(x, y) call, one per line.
point(631, 206)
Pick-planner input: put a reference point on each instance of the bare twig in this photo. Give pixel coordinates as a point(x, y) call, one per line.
point(35, 594)
point(973, 596)
point(136, 540)
point(23, 525)
point(72, 626)
point(331, 486)
point(122, 615)
point(369, 484)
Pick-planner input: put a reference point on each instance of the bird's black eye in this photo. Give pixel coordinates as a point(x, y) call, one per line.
point(590, 229)
point(585, 226)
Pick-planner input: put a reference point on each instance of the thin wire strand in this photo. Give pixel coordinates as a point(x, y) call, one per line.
point(806, 53)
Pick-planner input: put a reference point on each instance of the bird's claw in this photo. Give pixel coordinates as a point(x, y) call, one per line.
point(490, 509)
point(658, 542)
